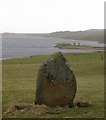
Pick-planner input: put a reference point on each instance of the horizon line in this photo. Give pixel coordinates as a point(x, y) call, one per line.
point(49, 32)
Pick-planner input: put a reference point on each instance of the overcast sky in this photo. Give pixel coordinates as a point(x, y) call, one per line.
point(43, 16)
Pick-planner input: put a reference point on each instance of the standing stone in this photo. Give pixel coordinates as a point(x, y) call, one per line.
point(56, 82)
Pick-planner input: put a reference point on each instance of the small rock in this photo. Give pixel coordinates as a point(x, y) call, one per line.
point(82, 104)
point(12, 109)
point(22, 110)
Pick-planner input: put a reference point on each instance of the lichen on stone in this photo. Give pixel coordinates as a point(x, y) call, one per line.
point(56, 82)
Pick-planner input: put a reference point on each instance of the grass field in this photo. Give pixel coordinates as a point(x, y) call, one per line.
point(19, 76)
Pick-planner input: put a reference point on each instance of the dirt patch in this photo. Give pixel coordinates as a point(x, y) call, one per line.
point(16, 108)
point(40, 110)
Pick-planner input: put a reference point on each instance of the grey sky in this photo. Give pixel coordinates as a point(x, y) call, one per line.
point(41, 16)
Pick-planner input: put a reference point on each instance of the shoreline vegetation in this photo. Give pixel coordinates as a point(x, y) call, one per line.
point(76, 46)
point(18, 93)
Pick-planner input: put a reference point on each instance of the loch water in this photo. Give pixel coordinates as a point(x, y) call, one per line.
point(23, 45)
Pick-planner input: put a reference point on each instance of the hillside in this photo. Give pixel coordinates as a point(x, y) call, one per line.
point(93, 34)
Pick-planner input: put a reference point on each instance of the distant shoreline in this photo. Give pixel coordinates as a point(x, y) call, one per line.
point(70, 46)
point(3, 59)
point(20, 45)
point(90, 34)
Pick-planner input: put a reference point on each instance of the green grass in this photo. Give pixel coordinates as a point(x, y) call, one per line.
point(19, 76)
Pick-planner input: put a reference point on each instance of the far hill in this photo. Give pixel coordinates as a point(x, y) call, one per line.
point(93, 34)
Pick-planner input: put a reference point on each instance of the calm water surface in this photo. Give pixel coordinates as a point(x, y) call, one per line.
point(18, 45)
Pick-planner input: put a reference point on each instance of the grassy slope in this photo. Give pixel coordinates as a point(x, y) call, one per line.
point(19, 77)
point(93, 34)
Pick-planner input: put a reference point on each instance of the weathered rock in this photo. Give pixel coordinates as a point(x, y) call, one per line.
point(56, 82)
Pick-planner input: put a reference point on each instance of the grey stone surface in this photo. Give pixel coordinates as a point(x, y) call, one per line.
point(56, 82)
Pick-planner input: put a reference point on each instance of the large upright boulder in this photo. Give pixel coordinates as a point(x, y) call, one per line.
point(56, 82)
